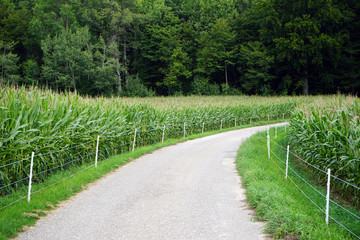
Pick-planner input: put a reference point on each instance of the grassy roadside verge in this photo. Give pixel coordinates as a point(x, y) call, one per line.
point(288, 213)
point(15, 218)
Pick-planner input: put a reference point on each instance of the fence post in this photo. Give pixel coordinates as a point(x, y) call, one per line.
point(202, 131)
point(275, 131)
point(97, 150)
point(221, 124)
point(328, 198)
point(268, 117)
point(287, 161)
point(268, 141)
point(250, 120)
point(31, 174)
point(163, 135)
point(235, 122)
point(184, 129)
point(134, 140)
point(283, 116)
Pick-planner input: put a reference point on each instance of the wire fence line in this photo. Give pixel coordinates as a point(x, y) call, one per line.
point(62, 150)
point(44, 154)
point(326, 197)
point(292, 170)
point(62, 180)
point(53, 184)
point(5, 186)
point(315, 167)
point(130, 133)
point(13, 163)
point(358, 237)
point(353, 214)
point(12, 203)
point(311, 165)
point(41, 189)
point(89, 145)
point(61, 165)
point(322, 210)
point(349, 184)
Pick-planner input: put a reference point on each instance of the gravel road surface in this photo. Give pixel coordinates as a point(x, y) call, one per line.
point(187, 191)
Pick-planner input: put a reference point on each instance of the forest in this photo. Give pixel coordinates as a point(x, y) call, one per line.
point(182, 47)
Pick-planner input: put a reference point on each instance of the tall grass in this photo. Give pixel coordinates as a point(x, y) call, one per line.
point(327, 135)
point(47, 123)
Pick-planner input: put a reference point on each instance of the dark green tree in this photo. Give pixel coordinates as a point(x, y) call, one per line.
point(104, 73)
point(255, 69)
point(8, 63)
point(216, 50)
point(31, 72)
point(302, 36)
point(68, 60)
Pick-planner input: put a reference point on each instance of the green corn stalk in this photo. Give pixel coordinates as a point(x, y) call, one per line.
point(327, 136)
point(47, 123)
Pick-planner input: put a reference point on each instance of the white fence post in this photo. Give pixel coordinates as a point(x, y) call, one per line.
point(184, 129)
point(31, 174)
point(202, 130)
point(268, 117)
point(163, 135)
point(134, 140)
point(328, 198)
point(235, 122)
point(268, 141)
point(97, 150)
point(287, 161)
point(250, 120)
point(221, 124)
point(283, 116)
point(275, 131)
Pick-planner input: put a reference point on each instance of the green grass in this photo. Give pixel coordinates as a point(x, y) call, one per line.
point(288, 213)
point(12, 218)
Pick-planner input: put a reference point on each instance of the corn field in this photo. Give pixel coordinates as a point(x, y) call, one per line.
point(62, 128)
point(327, 135)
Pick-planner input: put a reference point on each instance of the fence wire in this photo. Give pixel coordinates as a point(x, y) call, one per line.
point(315, 167)
point(307, 196)
point(9, 164)
point(210, 125)
point(13, 183)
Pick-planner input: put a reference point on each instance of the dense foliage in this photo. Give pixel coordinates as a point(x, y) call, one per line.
point(47, 124)
point(327, 136)
point(171, 47)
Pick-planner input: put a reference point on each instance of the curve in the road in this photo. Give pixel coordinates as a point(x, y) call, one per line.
point(187, 191)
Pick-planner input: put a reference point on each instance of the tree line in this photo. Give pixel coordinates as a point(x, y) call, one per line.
point(181, 47)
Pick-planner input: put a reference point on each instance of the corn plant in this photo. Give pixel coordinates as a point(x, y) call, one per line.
point(62, 128)
point(328, 136)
